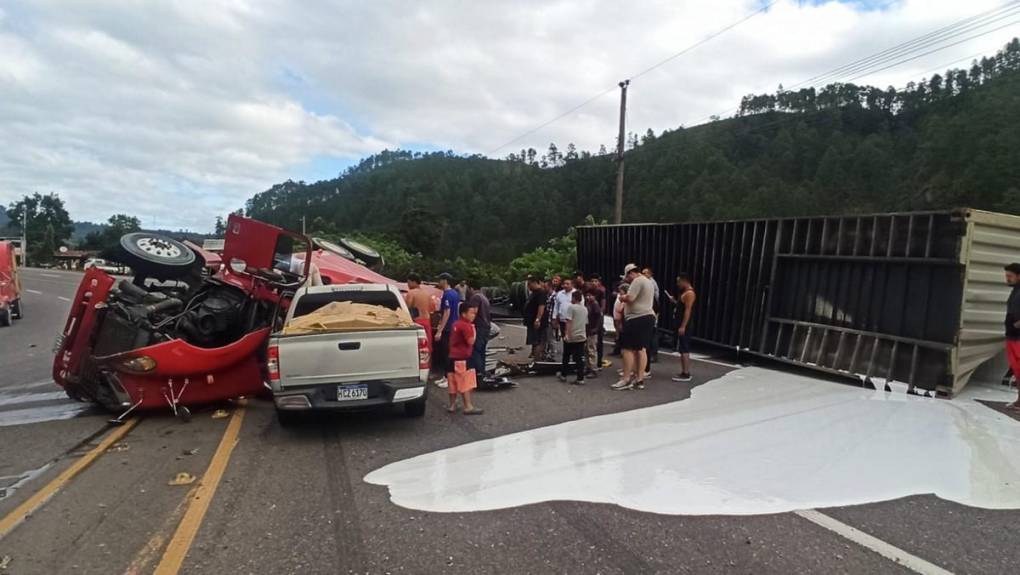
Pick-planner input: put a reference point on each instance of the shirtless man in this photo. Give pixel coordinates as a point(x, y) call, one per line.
point(420, 305)
point(685, 307)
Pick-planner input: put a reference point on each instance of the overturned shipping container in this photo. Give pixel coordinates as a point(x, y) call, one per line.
point(911, 297)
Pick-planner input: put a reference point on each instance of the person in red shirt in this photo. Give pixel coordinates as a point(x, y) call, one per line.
point(461, 378)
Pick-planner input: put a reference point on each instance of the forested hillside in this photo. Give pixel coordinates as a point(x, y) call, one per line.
point(949, 140)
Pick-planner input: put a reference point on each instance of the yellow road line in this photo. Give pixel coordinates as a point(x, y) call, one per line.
point(202, 497)
point(39, 498)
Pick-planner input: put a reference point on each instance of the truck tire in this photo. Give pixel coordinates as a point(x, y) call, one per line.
point(18, 309)
point(333, 248)
point(5, 317)
point(361, 251)
point(287, 418)
point(156, 255)
point(415, 408)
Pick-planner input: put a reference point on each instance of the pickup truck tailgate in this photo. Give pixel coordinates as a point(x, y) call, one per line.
point(345, 357)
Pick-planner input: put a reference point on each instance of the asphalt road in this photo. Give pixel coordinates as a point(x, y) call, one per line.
point(294, 500)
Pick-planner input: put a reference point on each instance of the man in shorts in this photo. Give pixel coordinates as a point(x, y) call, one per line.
point(684, 309)
point(638, 324)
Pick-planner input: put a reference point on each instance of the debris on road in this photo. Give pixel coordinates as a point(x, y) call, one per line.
point(5, 562)
point(182, 479)
point(220, 414)
point(118, 447)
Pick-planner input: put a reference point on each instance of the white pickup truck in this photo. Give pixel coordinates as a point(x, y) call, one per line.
point(349, 369)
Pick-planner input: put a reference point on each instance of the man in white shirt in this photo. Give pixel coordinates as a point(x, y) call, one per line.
point(563, 301)
point(638, 326)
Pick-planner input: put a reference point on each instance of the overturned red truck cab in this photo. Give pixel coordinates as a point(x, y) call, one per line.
point(189, 327)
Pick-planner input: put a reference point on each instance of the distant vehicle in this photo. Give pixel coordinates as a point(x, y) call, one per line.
point(103, 265)
point(353, 368)
point(11, 307)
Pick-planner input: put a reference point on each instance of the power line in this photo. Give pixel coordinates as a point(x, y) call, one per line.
point(888, 61)
point(939, 49)
point(959, 27)
point(701, 42)
point(706, 39)
point(806, 115)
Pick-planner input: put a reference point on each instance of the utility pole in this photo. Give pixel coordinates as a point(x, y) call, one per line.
point(618, 209)
point(302, 225)
point(24, 233)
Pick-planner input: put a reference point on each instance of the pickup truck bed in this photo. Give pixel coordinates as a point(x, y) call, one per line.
point(351, 368)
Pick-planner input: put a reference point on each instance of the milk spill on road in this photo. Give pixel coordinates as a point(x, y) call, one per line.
point(754, 441)
point(35, 403)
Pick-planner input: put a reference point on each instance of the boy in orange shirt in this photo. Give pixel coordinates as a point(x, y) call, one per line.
point(462, 380)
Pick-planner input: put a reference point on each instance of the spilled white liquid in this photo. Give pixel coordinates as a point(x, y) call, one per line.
point(754, 441)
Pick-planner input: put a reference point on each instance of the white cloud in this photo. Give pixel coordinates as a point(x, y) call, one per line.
point(178, 111)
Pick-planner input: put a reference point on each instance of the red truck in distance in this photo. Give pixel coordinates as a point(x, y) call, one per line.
point(11, 306)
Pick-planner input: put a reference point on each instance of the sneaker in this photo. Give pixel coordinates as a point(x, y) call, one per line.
point(682, 377)
point(639, 384)
point(619, 372)
point(622, 385)
point(561, 377)
point(607, 363)
point(441, 383)
point(578, 382)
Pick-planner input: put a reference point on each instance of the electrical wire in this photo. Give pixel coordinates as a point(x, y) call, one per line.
point(919, 43)
point(659, 64)
point(886, 63)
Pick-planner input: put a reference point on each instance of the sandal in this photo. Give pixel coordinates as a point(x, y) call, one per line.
point(475, 411)
point(451, 409)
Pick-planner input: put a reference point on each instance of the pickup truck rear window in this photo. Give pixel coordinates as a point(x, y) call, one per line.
point(311, 302)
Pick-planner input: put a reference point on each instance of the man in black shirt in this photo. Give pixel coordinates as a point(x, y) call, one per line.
point(1012, 325)
point(536, 320)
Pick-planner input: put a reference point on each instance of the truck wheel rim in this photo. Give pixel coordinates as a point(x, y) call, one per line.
point(158, 247)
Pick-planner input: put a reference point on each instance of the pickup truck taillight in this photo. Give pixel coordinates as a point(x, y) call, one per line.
point(273, 363)
point(424, 355)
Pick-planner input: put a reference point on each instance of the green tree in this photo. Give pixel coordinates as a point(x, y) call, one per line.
point(49, 225)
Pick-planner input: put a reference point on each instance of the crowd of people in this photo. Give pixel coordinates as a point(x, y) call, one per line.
point(566, 317)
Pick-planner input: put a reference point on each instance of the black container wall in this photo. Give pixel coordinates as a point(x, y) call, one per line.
point(876, 296)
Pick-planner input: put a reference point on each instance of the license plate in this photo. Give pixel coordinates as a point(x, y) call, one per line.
point(351, 392)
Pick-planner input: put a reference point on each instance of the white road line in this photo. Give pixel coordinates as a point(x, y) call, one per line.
point(912, 562)
point(62, 298)
point(36, 292)
point(50, 275)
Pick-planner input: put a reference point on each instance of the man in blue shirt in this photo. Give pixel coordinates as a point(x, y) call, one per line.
point(450, 308)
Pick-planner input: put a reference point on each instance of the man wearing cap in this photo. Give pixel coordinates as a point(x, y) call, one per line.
point(450, 308)
point(638, 325)
point(1013, 326)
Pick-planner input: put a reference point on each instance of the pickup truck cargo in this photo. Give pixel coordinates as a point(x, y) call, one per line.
point(348, 368)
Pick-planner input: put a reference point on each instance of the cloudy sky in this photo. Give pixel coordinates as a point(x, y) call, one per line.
point(178, 111)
